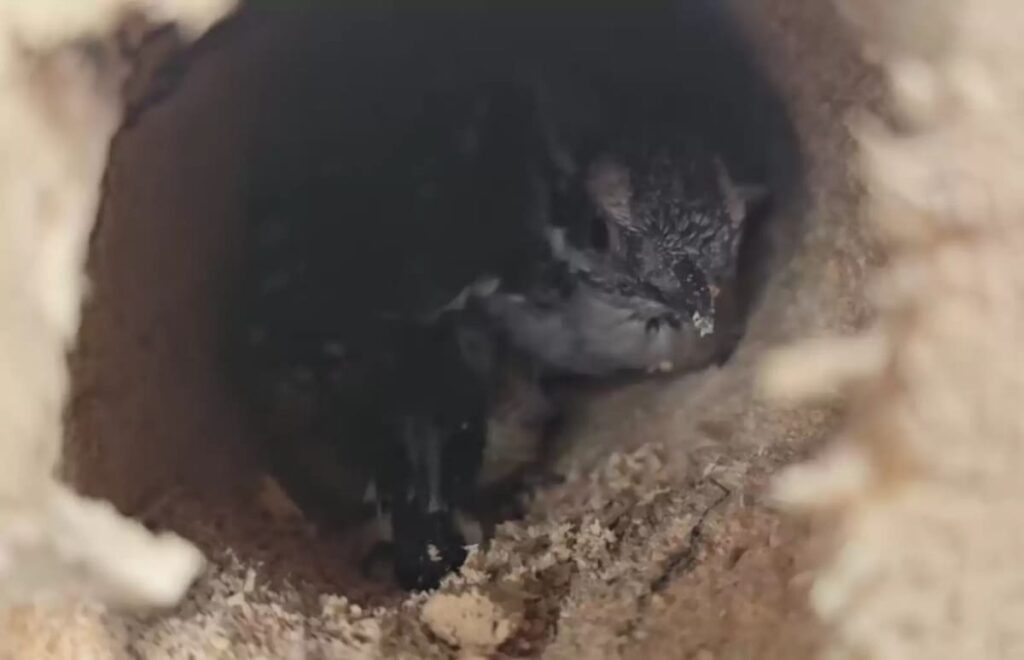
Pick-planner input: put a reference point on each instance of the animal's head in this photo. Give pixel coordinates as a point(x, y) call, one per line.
point(673, 217)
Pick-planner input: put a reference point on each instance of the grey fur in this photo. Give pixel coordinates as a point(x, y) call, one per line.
point(602, 324)
point(666, 200)
point(594, 332)
point(660, 295)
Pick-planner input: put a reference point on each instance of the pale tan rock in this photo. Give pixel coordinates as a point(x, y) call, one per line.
point(469, 620)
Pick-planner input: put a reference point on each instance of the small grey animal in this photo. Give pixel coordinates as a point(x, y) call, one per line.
point(660, 294)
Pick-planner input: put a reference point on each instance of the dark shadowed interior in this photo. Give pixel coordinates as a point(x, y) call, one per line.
point(306, 118)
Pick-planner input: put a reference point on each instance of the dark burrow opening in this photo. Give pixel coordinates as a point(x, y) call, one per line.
point(378, 256)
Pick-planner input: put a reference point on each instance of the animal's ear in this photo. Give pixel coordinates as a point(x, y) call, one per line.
point(740, 198)
point(610, 188)
point(477, 347)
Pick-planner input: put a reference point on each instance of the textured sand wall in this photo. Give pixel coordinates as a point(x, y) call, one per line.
point(58, 112)
point(667, 544)
point(925, 479)
point(670, 546)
